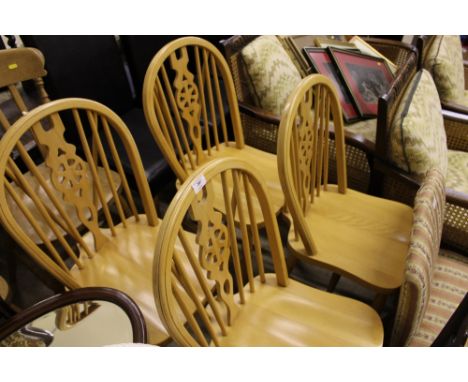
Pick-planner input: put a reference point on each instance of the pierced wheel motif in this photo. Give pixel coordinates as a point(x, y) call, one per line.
point(71, 173)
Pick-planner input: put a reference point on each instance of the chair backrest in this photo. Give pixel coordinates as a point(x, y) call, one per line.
point(227, 256)
point(17, 66)
point(429, 206)
point(303, 154)
point(410, 130)
point(183, 103)
point(44, 197)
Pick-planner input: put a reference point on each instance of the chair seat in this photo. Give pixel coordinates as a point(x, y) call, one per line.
point(69, 208)
point(263, 161)
point(299, 315)
point(125, 262)
point(449, 285)
point(360, 236)
point(457, 171)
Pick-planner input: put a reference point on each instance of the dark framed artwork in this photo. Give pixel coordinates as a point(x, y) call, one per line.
point(322, 63)
point(366, 77)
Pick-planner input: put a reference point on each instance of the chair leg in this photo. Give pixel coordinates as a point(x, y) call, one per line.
point(333, 282)
point(379, 302)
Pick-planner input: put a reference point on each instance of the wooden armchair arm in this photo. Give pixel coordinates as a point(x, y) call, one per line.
point(456, 128)
point(358, 141)
point(455, 107)
point(456, 198)
point(258, 113)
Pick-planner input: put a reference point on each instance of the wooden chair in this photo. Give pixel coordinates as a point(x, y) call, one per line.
point(247, 306)
point(435, 283)
point(261, 127)
point(348, 232)
point(116, 249)
point(184, 107)
point(17, 66)
point(432, 137)
point(17, 331)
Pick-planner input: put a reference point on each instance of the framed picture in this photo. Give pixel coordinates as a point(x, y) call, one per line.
point(322, 63)
point(365, 48)
point(366, 77)
point(325, 42)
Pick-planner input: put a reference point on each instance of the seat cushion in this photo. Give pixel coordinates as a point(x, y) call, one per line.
point(445, 62)
point(367, 128)
point(417, 136)
point(457, 172)
point(299, 315)
point(449, 285)
point(272, 73)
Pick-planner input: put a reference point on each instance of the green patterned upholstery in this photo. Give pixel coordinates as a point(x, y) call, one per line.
point(449, 285)
point(18, 339)
point(457, 173)
point(417, 135)
point(272, 73)
point(367, 128)
point(425, 239)
point(444, 61)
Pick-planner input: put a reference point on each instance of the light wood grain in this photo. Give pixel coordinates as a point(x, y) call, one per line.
point(350, 233)
point(247, 306)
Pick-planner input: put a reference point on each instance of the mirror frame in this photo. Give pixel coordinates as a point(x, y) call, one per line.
point(111, 295)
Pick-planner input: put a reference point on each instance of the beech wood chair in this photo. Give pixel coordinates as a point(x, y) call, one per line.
point(116, 250)
point(247, 306)
point(17, 66)
point(351, 233)
point(261, 127)
point(184, 107)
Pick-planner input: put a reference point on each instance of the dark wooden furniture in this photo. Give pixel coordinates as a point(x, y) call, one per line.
point(393, 183)
point(53, 303)
point(261, 127)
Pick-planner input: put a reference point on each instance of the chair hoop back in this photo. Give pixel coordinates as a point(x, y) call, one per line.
point(303, 147)
point(227, 257)
point(45, 199)
point(184, 106)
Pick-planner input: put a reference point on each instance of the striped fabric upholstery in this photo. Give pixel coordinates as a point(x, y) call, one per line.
point(415, 292)
point(449, 285)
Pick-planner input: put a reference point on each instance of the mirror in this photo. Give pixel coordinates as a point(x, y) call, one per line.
point(82, 323)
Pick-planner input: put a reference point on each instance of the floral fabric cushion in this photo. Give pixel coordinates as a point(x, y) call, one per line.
point(272, 73)
point(426, 233)
point(445, 62)
point(457, 172)
point(449, 285)
point(417, 135)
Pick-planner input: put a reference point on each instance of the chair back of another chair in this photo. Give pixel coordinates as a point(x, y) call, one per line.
point(227, 255)
point(52, 200)
point(303, 154)
point(183, 99)
point(429, 206)
point(17, 67)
